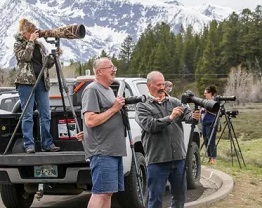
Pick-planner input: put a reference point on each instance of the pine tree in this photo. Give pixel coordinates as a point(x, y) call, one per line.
point(206, 73)
point(188, 52)
point(231, 45)
point(164, 50)
point(127, 48)
point(104, 54)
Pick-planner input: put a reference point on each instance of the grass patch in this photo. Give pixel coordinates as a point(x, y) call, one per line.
point(248, 180)
point(250, 150)
point(247, 127)
point(247, 124)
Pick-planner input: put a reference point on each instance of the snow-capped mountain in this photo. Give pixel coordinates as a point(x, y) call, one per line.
point(107, 22)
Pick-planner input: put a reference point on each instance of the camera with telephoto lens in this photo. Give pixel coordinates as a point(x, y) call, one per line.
point(232, 113)
point(226, 98)
point(135, 99)
point(209, 105)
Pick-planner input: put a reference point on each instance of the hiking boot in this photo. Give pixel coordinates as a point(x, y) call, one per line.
point(54, 149)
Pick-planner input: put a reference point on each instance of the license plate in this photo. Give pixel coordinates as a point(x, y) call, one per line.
point(45, 171)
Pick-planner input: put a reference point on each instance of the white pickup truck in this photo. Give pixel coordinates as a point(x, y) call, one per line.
point(24, 176)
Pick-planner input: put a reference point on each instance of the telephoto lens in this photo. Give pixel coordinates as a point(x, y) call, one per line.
point(226, 98)
point(135, 99)
point(210, 105)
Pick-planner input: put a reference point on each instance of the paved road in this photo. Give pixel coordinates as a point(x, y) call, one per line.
point(80, 201)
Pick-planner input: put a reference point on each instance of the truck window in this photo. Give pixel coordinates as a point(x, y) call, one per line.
point(142, 88)
point(8, 103)
point(127, 93)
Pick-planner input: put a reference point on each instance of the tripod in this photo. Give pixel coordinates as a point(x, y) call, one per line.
point(231, 134)
point(61, 78)
point(189, 146)
point(139, 176)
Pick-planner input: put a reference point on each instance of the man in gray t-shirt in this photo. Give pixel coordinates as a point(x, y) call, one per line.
point(104, 134)
point(108, 137)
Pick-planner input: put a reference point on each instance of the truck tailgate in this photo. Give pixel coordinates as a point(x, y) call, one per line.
point(42, 158)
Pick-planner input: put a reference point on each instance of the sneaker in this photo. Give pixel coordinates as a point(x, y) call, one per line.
point(30, 150)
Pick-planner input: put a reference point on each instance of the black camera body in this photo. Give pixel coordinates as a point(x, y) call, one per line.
point(135, 99)
point(210, 105)
point(232, 113)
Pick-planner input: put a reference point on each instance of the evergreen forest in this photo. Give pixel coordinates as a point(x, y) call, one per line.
point(204, 58)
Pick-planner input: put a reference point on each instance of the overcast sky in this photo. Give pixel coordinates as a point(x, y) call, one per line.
point(234, 4)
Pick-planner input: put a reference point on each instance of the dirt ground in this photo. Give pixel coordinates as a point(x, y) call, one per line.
point(247, 192)
point(191, 195)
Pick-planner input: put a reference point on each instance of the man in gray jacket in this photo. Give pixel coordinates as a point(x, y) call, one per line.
point(160, 118)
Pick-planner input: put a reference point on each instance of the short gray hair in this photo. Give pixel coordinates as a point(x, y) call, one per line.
point(168, 83)
point(97, 63)
point(151, 76)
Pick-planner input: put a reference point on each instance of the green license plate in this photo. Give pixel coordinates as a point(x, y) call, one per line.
point(45, 171)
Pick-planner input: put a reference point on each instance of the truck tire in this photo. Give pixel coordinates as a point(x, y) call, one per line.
point(15, 196)
point(194, 167)
point(130, 198)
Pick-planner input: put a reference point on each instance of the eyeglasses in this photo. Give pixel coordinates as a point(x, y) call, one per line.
point(112, 67)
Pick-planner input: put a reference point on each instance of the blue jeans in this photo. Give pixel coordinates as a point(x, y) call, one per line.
point(210, 140)
point(158, 174)
point(41, 97)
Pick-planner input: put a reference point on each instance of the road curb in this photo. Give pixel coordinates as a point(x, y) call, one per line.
point(223, 181)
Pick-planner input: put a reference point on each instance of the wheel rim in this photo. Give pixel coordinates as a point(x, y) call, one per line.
point(142, 179)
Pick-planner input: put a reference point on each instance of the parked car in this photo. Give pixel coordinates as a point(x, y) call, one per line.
point(8, 99)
